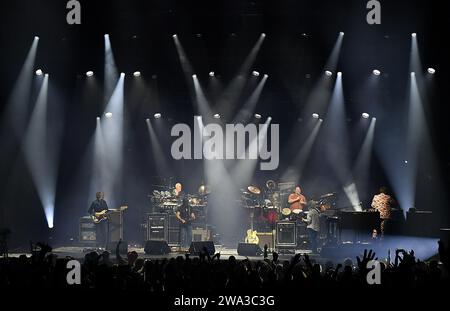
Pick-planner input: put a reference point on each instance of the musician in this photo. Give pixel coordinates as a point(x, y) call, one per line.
point(185, 216)
point(297, 200)
point(313, 224)
point(99, 205)
point(382, 203)
point(178, 191)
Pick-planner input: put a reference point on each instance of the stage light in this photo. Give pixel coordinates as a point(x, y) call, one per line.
point(257, 116)
point(194, 76)
point(376, 72)
point(147, 120)
point(320, 120)
point(89, 73)
point(122, 74)
point(406, 161)
point(431, 71)
point(211, 73)
point(266, 76)
point(413, 74)
point(255, 73)
point(339, 73)
point(36, 37)
point(216, 116)
point(98, 118)
point(137, 73)
point(108, 115)
point(39, 72)
point(263, 35)
point(413, 35)
point(315, 115)
point(328, 73)
point(365, 115)
point(341, 33)
point(157, 115)
point(174, 36)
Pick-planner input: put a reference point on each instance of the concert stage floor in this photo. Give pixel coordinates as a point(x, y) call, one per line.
point(425, 248)
point(79, 252)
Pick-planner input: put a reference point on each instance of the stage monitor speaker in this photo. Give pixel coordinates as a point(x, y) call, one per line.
point(123, 248)
point(197, 247)
point(249, 249)
point(156, 247)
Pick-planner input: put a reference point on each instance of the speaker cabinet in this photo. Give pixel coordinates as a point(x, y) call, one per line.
point(87, 230)
point(266, 238)
point(115, 225)
point(199, 235)
point(174, 237)
point(157, 227)
point(248, 249)
point(156, 248)
point(286, 234)
point(197, 247)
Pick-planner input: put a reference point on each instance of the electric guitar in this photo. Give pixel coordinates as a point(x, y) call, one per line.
point(103, 215)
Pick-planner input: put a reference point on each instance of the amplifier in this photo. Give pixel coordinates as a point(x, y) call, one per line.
point(286, 234)
point(157, 227)
point(174, 237)
point(115, 225)
point(199, 223)
point(266, 238)
point(173, 221)
point(199, 235)
point(87, 230)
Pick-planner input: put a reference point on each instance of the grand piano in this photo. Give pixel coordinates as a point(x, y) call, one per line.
point(357, 225)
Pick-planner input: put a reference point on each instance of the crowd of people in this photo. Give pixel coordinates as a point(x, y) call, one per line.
point(212, 274)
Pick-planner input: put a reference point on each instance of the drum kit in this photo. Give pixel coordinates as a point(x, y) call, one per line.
point(165, 199)
point(271, 199)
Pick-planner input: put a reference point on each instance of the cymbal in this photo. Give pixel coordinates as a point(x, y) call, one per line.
point(254, 189)
point(327, 195)
point(203, 189)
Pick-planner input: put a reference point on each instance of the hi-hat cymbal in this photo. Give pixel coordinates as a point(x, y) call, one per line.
point(254, 189)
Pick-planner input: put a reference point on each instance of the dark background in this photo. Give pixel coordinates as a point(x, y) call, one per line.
point(216, 35)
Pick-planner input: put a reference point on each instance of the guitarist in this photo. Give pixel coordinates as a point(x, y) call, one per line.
point(185, 216)
point(99, 205)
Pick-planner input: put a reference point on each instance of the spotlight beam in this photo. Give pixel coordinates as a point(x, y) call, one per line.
point(295, 170)
point(362, 165)
point(250, 104)
point(38, 156)
point(160, 159)
point(232, 92)
point(110, 68)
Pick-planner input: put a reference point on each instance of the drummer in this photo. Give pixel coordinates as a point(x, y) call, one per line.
point(297, 200)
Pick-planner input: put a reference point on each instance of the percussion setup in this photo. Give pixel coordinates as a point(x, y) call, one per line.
point(270, 203)
point(165, 200)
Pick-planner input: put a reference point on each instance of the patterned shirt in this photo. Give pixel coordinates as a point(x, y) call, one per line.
point(382, 203)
